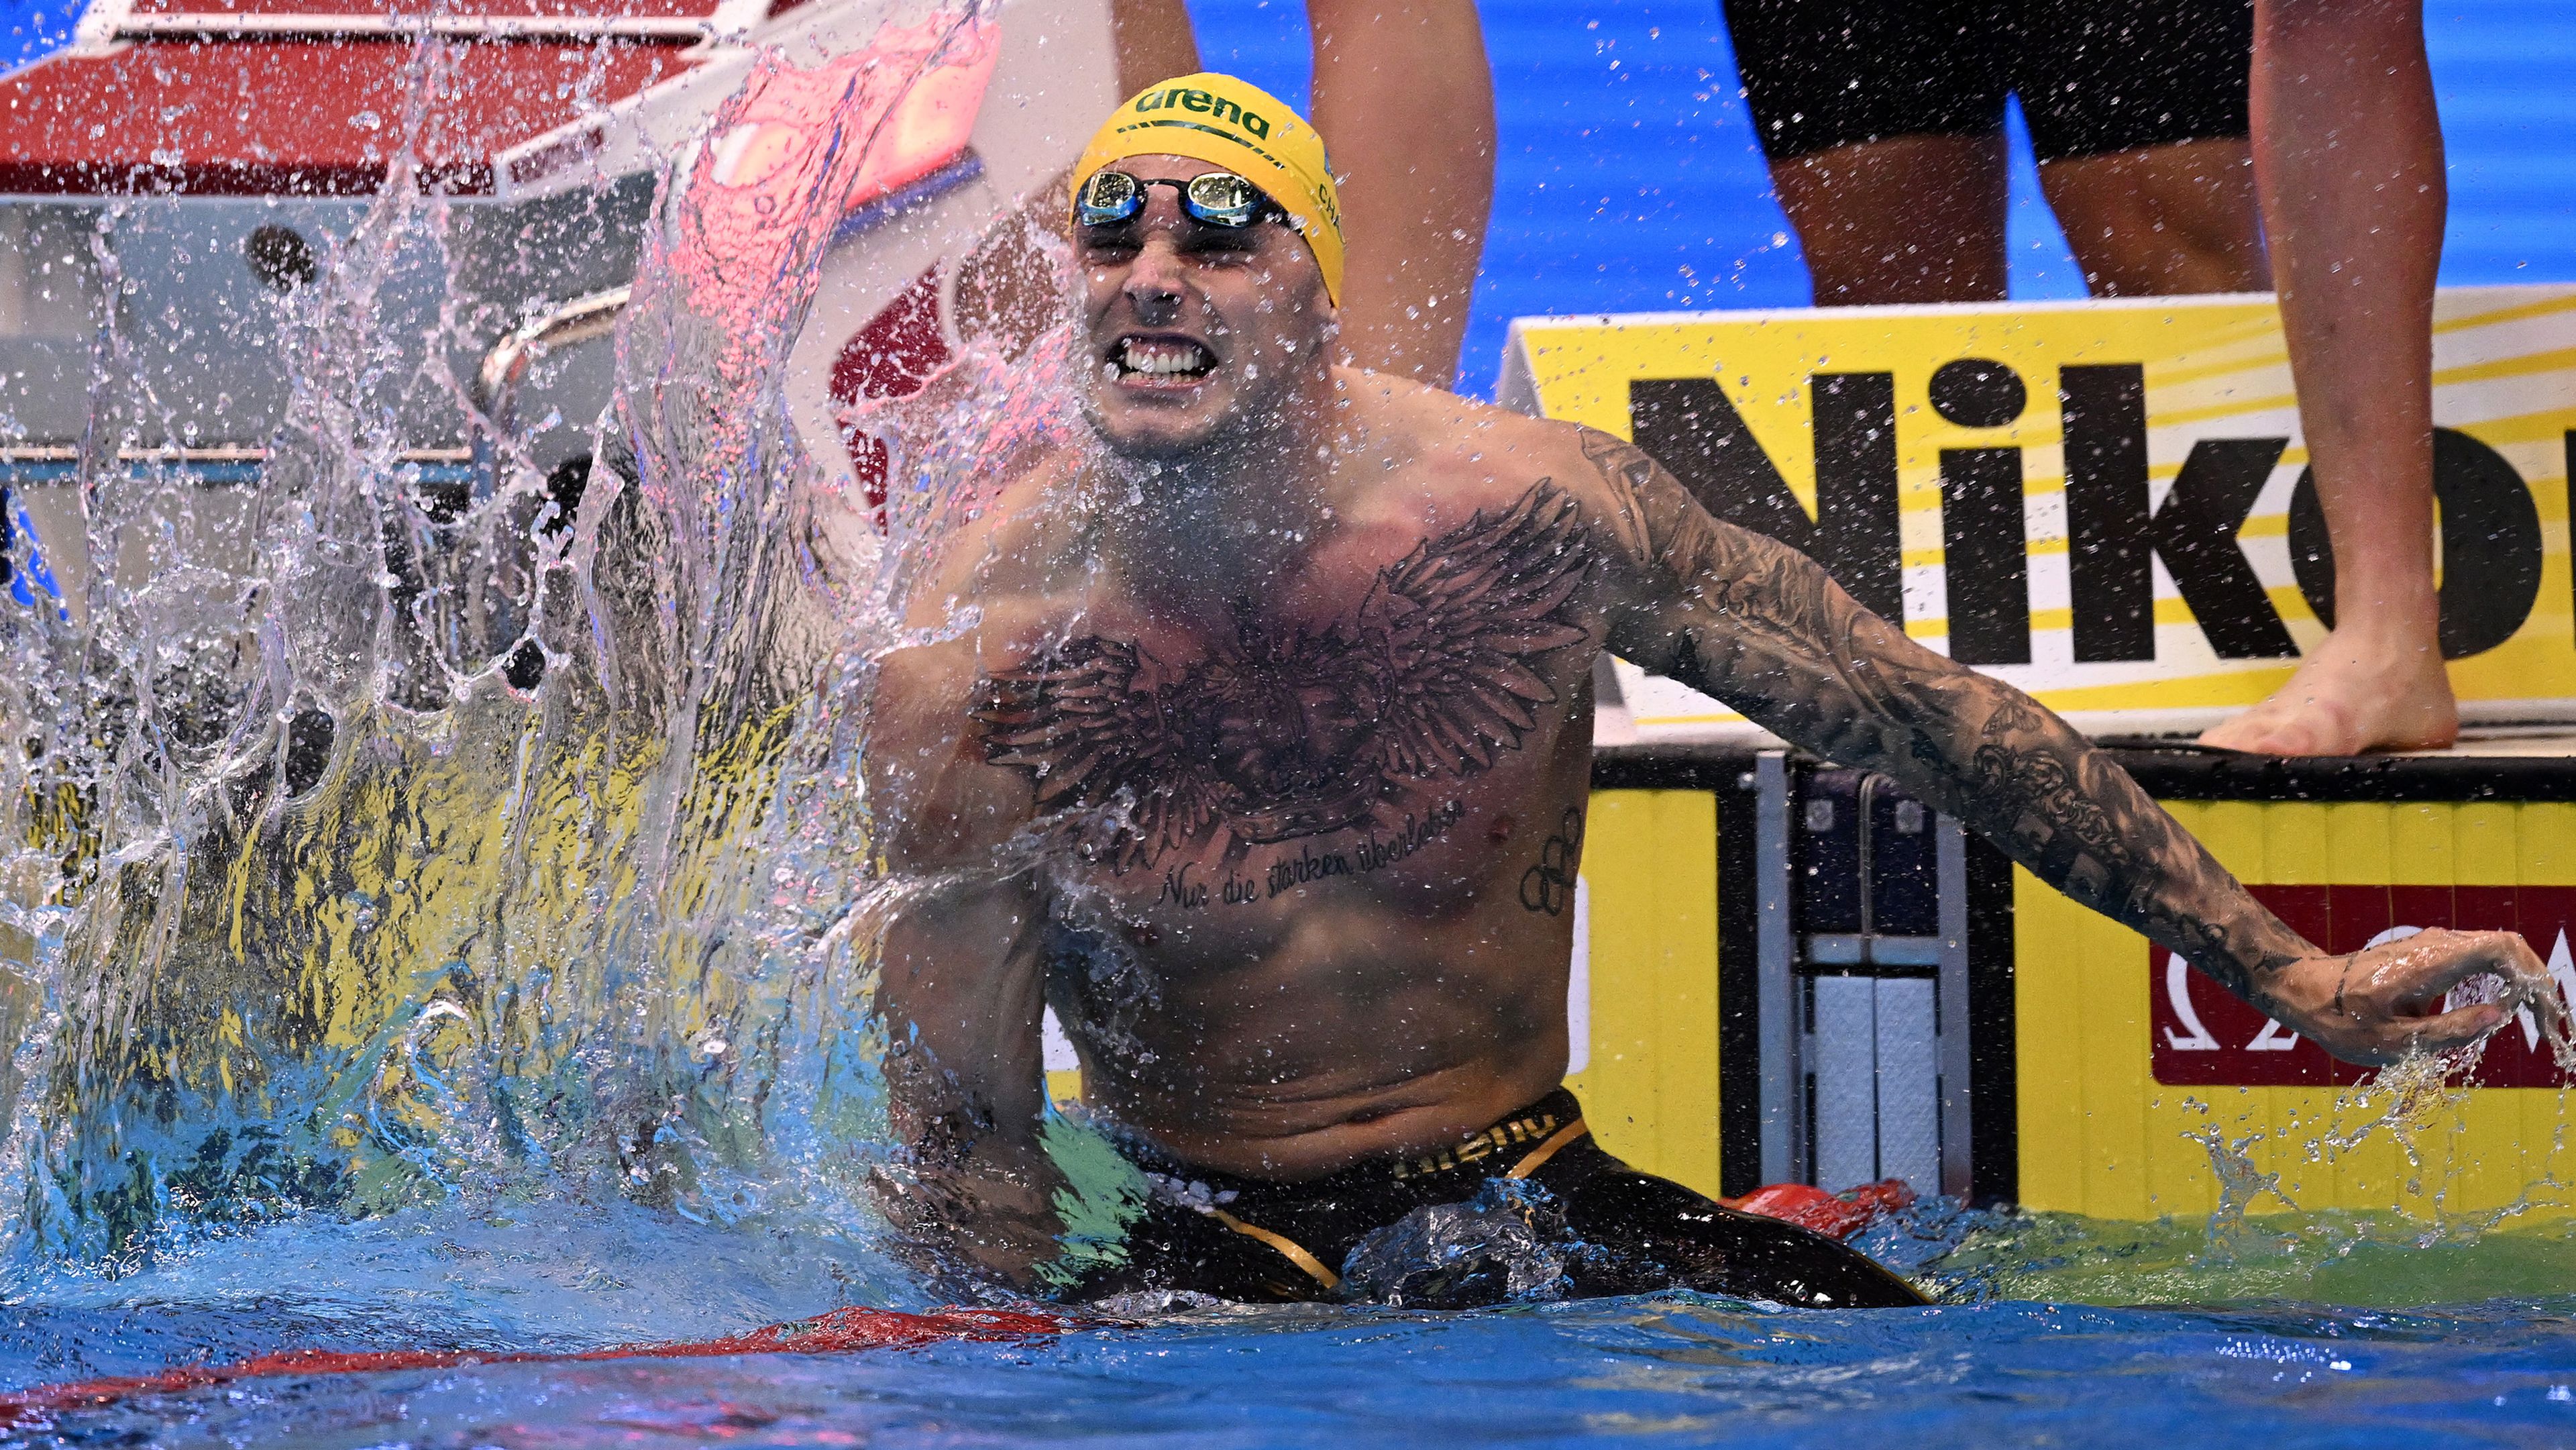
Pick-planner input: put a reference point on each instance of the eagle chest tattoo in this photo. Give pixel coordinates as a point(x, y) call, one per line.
point(1286, 732)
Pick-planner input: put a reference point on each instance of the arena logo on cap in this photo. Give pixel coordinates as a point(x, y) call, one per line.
point(1205, 103)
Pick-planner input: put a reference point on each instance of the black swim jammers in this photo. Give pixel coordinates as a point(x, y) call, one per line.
point(2094, 76)
point(1531, 1205)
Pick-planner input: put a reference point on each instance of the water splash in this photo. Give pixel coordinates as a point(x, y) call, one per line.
point(1507, 1243)
point(410, 838)
point(2258, 1241)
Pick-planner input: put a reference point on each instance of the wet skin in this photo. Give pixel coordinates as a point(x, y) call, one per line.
point(1265, 755)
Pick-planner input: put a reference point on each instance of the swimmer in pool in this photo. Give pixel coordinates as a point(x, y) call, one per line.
point(1253, 733)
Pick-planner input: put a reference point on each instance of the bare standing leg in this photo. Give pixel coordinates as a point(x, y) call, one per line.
point(1154, 42)
point(1907, 219)
point(1405, 98)
point(2348, 154)
point(1921, 219)
point(2161, 220)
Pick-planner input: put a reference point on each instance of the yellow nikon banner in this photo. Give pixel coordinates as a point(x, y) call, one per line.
point(2105, 503)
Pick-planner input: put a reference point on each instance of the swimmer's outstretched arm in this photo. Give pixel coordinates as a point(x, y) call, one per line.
point(1763, 628)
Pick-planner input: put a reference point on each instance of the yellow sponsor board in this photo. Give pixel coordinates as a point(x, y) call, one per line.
point(2103, 502)
point(2104, 1128)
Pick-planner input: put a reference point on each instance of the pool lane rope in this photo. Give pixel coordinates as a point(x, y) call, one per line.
point(842, 1331)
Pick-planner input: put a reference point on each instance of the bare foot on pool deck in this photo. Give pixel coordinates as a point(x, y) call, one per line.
point(2349, 697)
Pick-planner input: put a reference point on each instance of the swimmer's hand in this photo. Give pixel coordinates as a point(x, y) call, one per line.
point(2377, 1006)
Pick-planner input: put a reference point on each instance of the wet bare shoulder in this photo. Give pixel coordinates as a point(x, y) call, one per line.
point(1459, 457)
point(1004, 544)
point(1637, 526)
point(1464, 440)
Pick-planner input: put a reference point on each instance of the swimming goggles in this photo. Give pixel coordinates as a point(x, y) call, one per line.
point(1218, 198)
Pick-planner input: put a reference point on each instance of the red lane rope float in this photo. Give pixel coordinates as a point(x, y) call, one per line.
point(1835, 1215)
point(839, 1332)
point(842, 1331)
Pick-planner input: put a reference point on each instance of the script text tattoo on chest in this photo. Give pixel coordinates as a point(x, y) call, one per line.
point(1186, 884)
point(1284, 731)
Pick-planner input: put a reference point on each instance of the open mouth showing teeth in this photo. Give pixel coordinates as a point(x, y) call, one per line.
point(1161, 358)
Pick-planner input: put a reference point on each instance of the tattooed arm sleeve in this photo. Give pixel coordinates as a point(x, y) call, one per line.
point(1763, 628)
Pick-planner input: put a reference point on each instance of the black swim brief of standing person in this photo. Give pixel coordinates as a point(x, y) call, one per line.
point(1531, 1198)
point(2094, 76)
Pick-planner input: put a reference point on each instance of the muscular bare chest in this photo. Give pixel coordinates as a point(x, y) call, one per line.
point(1382, 731)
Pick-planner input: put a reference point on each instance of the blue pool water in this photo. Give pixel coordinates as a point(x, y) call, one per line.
point(2438, 1355)
point(1672, 1370)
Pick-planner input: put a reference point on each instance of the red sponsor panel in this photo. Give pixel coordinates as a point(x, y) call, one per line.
point(891, 356)
point(2201, 1035)
point(2356, 916)
point(2439, 906)
point(2519, 1056)
point(215, 12)
point(2307, 909)
point(295, 117)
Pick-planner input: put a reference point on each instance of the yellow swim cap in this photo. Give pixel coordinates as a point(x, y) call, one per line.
point(1237, 125)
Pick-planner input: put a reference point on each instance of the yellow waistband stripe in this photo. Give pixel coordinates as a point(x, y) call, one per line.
point(1538, 1156)
point(1288, 1248)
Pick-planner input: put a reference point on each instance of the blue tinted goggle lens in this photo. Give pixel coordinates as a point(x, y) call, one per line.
point(1219, 198)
